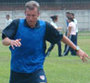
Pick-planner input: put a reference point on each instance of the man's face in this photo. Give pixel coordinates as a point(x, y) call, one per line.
point(67, 15)
point(7, 17)
point(72, 16)
point(31, 16)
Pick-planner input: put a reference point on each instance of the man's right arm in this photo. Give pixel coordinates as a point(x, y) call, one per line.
point(7, 41)
point(8, 35)
point(10, 30)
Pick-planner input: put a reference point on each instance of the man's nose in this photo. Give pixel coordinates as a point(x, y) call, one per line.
point(31, 18)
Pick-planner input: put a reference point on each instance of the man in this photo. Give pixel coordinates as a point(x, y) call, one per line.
point(8, 19)
point(67, 16)
point(75, 21)
point(26, 38)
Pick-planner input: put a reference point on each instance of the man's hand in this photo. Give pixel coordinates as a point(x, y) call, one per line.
point(83, 55)
point(15, 43)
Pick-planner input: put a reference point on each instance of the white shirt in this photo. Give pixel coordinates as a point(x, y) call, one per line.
point(54, 24)
point(73, 29)
point(75, 21)
point(8, 22)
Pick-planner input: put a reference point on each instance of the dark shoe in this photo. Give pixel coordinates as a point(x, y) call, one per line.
point(59, 56)
point(64, 55)
point(73, 55)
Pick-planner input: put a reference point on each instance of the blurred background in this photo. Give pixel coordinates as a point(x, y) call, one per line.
point(81, 9)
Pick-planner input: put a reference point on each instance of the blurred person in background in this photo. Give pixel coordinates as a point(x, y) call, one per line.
point(76, 23)
point(68, 15)
point(54, 19)
point(8, 19)
point(71, 34)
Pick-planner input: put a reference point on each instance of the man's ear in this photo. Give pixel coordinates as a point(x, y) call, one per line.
point(25, 12)
point(38, 14)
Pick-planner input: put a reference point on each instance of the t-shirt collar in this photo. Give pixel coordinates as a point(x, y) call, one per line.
point(36, 26)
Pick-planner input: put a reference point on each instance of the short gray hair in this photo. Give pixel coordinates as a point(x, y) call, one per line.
point(32, 4)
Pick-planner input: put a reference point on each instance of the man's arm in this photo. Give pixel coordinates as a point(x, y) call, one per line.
point(80, 52)
point(7, 41)
point(53, 36)
point(8, 34)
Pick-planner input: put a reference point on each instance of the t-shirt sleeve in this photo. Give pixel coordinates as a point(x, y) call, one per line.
point(10, 30)
point(52, 35)
point(70, 24)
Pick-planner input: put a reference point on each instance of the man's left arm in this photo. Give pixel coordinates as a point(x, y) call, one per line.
point(79, 52)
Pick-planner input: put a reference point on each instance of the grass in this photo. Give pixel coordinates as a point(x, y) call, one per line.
point(68, 69)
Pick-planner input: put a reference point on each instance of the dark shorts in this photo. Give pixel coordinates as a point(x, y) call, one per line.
point(35, 77)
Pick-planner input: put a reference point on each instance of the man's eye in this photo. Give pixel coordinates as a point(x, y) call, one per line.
point(33, 15)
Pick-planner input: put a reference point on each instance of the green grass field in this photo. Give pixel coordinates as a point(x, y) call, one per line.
point(68, 69)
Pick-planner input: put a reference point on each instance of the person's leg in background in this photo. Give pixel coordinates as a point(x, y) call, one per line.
point(73, 39)
point(59, 49)
point(49, 49)
point(76, 38)
point(67, 48)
